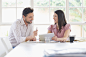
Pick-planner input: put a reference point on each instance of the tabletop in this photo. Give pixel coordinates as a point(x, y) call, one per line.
point(35, 49)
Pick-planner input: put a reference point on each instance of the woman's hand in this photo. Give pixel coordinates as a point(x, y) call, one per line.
point(61, 39)
point(54, 38)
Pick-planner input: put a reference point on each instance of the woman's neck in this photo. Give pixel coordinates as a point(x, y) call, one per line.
point(57, 26)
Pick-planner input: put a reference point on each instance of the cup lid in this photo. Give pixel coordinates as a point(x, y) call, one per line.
point(72, 35)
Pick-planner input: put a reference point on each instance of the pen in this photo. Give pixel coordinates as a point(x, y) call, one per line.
point(36, 28)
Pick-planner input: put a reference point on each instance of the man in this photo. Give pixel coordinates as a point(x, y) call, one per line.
point(22, 29)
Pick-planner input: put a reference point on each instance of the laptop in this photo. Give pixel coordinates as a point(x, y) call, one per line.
point(42, 36)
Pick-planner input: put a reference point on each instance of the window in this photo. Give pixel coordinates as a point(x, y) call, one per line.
point(77, 17)
point(43, 13)
point(10, 11)
point(75, 12)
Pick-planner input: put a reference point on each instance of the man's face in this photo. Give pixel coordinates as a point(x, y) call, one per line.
point(29, 18)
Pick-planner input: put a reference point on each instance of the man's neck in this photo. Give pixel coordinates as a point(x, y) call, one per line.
point(25, 23)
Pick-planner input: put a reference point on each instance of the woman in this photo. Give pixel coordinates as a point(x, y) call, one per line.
point(61, 29)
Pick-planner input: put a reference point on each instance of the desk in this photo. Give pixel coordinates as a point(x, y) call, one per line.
point(27, 49)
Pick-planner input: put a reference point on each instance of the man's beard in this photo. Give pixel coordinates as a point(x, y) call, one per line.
point(27, 21)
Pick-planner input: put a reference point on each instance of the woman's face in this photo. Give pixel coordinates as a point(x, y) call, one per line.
point(55, 17)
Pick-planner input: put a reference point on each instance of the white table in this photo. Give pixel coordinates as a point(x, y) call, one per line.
point(27, 49)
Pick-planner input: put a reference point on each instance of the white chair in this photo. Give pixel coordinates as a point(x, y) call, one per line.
point(2, 49)
point(7, 44)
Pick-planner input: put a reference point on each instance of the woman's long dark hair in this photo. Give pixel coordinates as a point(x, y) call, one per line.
point(61, 19)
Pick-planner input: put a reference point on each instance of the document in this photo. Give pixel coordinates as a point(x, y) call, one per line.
point(70, 51)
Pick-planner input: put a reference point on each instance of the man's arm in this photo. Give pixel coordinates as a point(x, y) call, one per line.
point(33, 33)
point(17, 33)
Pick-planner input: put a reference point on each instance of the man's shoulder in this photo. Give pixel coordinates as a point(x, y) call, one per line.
point(18, 21)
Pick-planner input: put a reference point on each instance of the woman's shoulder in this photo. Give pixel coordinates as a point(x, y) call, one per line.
point(52, 26)
point(67, 26)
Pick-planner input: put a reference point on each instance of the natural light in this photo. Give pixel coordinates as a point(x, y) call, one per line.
point(75, 11)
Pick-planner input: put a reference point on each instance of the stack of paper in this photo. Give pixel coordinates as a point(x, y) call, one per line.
point(71, 51)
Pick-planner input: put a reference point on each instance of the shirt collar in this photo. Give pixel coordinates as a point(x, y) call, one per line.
point(54, 26)
point(22, 21)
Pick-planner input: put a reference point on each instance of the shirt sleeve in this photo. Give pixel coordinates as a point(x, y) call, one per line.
point(50, 28)
point(17, 33)
point(67, 26)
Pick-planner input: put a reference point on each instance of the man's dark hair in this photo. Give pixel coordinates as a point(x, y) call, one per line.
point(61, 19)
point(27, 11)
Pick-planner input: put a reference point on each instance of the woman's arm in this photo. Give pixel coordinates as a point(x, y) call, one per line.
point(49, 31)
point(64, 38)
point(66, 34)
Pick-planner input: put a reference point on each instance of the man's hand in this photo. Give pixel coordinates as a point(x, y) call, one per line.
point(32, 37)
point(35, 33)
